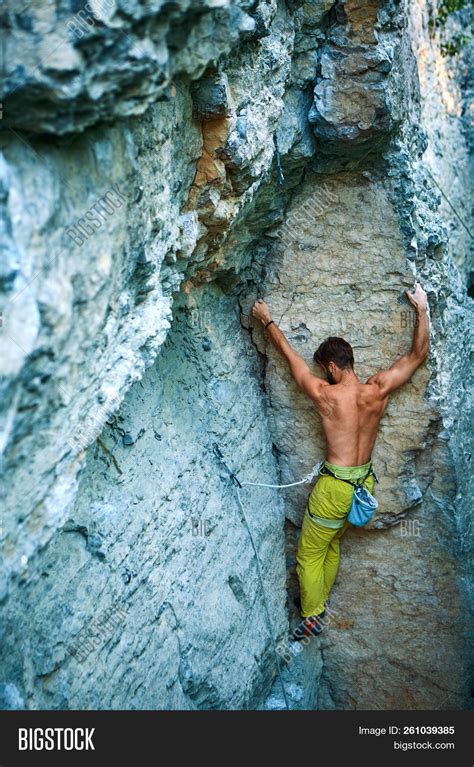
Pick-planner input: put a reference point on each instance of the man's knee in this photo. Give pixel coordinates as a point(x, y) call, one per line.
point(311, 556)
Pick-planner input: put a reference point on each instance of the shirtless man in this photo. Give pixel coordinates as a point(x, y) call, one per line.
point(350, 413)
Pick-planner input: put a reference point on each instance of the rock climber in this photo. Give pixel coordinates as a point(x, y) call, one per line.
point(350, 413)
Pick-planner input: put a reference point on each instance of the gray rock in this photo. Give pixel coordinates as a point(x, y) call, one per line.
point(65, 70)
point(134, 239)
point(10, 698)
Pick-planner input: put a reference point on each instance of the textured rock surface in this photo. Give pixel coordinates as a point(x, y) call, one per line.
point(355, 99)
point(73, 64)
point(349, 283)
point(403, 580)
point(133, 233)
point(156, 537)
point(98, 291)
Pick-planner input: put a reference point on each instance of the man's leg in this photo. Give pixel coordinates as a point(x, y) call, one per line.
point(337, 496)
point(331, 562)
point(310, 562)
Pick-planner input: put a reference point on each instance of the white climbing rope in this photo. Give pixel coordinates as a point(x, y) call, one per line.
point(313, 473)
point(238, 484)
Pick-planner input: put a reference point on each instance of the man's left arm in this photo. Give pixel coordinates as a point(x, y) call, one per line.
point(299, 368)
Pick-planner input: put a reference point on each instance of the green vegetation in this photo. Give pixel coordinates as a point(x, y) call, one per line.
point(446, 8)
point(454, 45)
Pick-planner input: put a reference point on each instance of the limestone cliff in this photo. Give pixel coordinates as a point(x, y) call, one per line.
point(161, 166)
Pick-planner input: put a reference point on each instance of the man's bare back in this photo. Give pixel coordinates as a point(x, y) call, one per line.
point(350, 410)
point(350, 415)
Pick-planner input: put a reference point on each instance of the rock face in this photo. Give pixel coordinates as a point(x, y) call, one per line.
point(356, 97)
point(159, 169)
point(71, 65)
point(160, 572)
point(319, 286)
point(398, 582)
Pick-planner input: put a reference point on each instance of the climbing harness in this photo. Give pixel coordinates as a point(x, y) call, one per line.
point(333, 524)
point(238, 485)
point(324, 469)
point(363, 505)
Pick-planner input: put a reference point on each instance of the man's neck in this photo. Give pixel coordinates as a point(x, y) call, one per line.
point(348, 377)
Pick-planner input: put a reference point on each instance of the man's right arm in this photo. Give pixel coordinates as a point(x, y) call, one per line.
point(402, 370)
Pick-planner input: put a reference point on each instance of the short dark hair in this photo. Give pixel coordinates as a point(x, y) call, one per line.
point(336, 350)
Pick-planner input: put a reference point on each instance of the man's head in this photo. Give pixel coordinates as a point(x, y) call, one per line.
point(334, 355)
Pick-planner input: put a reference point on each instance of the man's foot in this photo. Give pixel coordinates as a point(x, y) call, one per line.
point(308, 627)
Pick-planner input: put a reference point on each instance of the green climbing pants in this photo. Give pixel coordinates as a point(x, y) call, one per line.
point(324, 523)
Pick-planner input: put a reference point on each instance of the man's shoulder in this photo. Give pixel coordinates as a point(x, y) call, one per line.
point(374, 385)
point(375, 379)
